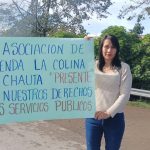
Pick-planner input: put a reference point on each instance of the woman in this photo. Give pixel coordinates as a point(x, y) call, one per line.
point(113, 85)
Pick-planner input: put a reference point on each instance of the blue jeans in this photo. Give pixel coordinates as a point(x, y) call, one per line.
point(112, 128)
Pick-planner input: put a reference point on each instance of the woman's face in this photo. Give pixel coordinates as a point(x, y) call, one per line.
point(108, 50)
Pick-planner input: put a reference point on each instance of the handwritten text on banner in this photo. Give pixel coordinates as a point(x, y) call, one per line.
point(46, 78)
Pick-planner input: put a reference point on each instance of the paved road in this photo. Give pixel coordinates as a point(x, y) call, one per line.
point(69, 134)
point(41, 135)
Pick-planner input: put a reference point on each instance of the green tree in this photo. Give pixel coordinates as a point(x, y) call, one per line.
point(138, 28)
point(44, 16)
point(126, 40)
point(141, 59)
point(66, 34)
point(134, 50)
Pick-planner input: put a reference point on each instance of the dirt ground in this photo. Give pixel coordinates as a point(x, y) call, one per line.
point(137, 133)
point(70, 134)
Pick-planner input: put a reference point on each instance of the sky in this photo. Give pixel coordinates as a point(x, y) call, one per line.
point(95, 26)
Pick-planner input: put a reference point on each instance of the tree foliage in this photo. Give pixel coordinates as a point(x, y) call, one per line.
point(137, 8)
point(134, 50)
point(141, 59)
point(125, 40)
point(44, 16)
point(64, 34)
point(138, 28)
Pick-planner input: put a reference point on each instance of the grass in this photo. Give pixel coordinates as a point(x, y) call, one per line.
point(140, 103)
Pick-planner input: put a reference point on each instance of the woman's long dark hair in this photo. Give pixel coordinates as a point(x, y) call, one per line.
point(116, 60)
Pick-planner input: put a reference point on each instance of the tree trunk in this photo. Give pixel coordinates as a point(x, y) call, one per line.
point(46, 18)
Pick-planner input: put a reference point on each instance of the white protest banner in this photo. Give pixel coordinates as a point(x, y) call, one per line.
point(46, 78)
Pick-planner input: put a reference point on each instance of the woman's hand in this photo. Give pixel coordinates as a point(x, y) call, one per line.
point(101, 115)
point(88, 37)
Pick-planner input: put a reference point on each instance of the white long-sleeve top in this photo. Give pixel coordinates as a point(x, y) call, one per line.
point(113, 89)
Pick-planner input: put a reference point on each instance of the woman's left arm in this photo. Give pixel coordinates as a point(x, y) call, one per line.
point(125, 88)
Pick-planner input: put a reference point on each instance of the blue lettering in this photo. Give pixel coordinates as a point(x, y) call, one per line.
point(77, 49)
point(25, 95)
point(5, 81)
point(14, 51)
point(11, 65)
point(56, 93)
point(68, 64)
point(53, 49)
point(15, 80)
point(6, 49)
point(42, 65)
